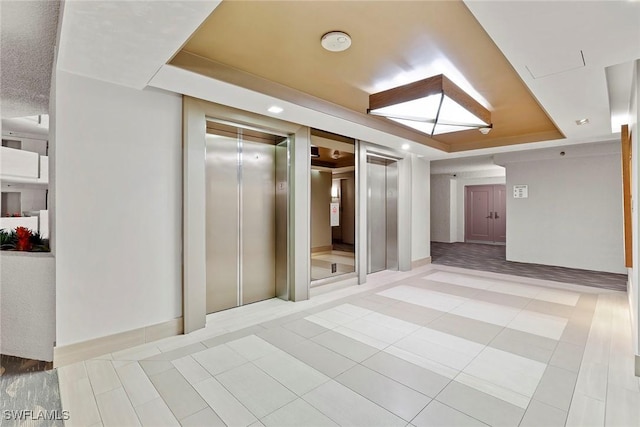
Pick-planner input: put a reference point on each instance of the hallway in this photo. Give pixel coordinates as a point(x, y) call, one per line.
point(436, 345)
point(491, 258)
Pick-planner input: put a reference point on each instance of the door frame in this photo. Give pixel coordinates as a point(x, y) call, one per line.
point(195, 114)
point(404, 205)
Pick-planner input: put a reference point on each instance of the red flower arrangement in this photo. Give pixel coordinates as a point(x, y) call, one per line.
point(23, 242)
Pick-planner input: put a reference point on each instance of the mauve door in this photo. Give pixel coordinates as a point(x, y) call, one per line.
point(500, 213)
point(479, 213)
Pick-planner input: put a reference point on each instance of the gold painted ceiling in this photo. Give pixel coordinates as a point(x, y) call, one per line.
point(394, 42)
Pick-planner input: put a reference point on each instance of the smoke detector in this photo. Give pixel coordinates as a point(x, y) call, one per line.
point(336, 41)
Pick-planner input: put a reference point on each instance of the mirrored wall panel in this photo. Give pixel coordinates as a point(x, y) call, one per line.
point(333, 205)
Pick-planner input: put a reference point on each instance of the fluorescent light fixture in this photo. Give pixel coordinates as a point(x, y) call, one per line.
point(275, 109)
point(405, 146)
point(433, 106)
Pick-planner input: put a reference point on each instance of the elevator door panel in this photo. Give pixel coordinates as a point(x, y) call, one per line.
point(391, 183)
point(282, 219)
point(221, 223)
point(258, 222)
point(376, 217)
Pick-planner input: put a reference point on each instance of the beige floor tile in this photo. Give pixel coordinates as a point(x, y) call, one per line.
point(137, 384)
point(191, 370)
point(102, 375)
point(219, 359)
point(256, 390)
point(413, 376)
point(251, 347)
point(346, 346)
point(479, 405)
point(385, 392)
point(225, 405)
point(320, 358)
point(116, 409)
point(156, 413)
point(178, 394)
point(622, 407)
point(556, 388)
point(585, 411)
point(77, 397)
point(437, 414)
point(540, 414)
point(206, 417)
point(296, 414)
point(347, 407)
point(290, 372)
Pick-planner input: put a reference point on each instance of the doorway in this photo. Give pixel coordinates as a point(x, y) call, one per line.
point(382, 214)
point(333, 207)
point(485, 214)
point(246, 215)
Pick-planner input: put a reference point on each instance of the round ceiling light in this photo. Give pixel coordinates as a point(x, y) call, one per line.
point(336, 41)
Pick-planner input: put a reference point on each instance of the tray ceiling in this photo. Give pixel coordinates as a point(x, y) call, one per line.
point(393, 43)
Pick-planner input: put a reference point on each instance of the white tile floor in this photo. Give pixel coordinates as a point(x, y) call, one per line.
point(436, 346)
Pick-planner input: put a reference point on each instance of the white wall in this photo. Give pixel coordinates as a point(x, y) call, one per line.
point(420, 201)
point(320, 212)
point(573, 215)
point(119, 201)
point(441, 208)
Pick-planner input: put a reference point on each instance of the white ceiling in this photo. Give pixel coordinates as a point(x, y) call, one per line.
point(27, 38)
point(129, 43)
point(553, 36)
point(465, 164)
point(126, 42)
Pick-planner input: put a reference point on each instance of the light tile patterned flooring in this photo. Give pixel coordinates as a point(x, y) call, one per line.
point(321, 264)
point(436, 346)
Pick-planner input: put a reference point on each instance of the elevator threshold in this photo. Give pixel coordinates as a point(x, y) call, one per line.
point(231, 311)
point(322, 286)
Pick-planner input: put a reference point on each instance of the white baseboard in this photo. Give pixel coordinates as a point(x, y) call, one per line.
point(420, 262)
point(84, 350)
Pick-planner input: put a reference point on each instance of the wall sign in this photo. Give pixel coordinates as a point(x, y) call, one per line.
point(335, 214)
point(520, 191)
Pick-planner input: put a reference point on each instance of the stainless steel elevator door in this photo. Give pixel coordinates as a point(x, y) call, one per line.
point(241, 211)
point(376, 217)
point(222, 221)
point(382, 215)
point(391, 184)
point(258, 222)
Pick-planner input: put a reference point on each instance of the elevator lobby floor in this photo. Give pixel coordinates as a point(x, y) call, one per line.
point(321, 264)
point(435, 346)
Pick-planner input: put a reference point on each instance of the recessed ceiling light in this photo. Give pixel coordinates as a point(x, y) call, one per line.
point(336, 41)
point(582, 122)
point(405, 146)
point(275, 109)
